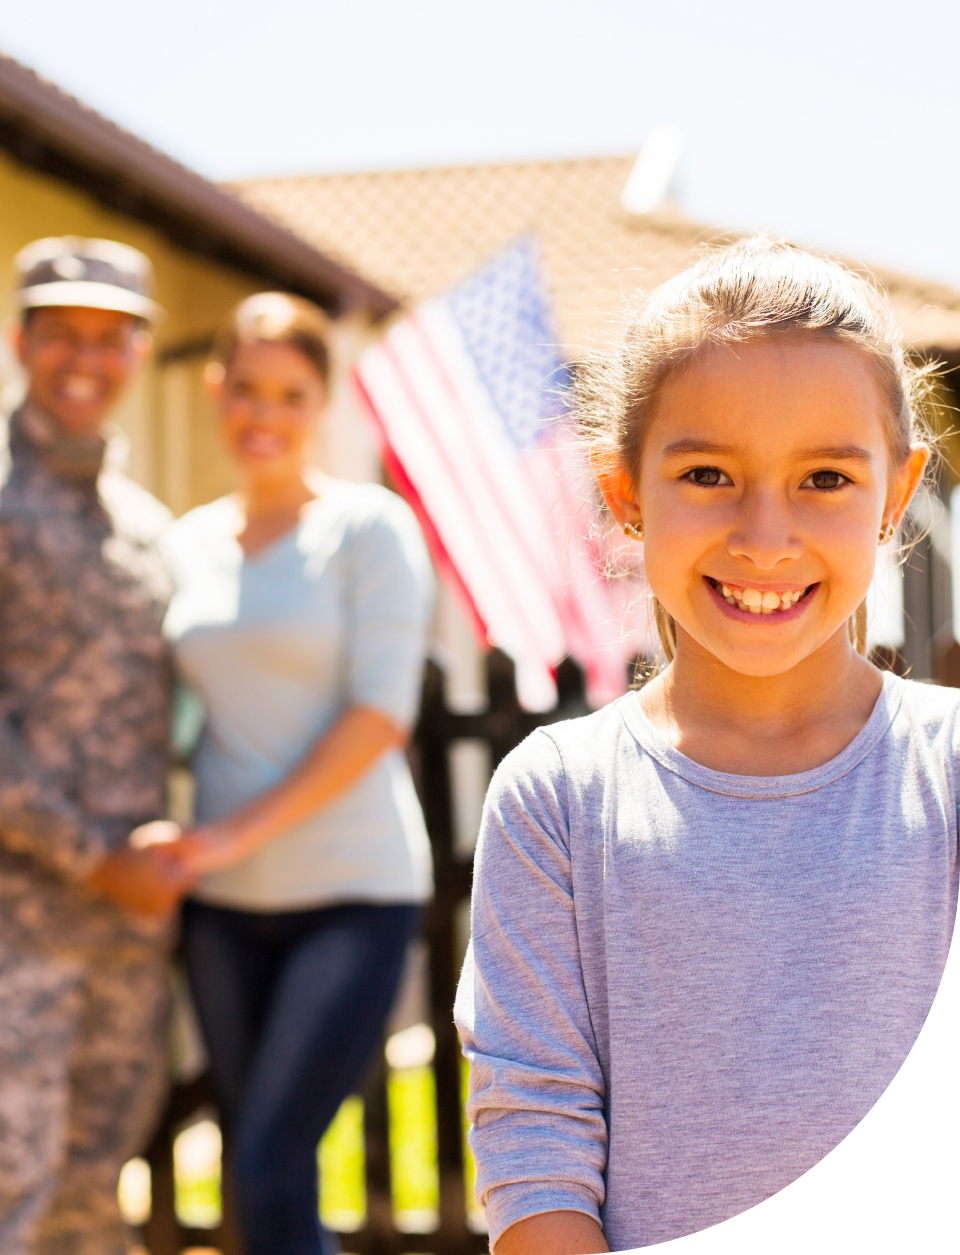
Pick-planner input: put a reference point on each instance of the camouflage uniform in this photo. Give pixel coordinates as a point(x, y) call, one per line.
point(84, 687)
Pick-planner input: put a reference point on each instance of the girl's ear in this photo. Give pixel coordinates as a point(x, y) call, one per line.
point(906, 482)
point(615, 483)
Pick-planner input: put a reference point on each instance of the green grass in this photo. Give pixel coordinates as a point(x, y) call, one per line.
point(475, 1217)
point(412, 1108)
point(198, 1202)
point(343, 1197)
point(196, 1174)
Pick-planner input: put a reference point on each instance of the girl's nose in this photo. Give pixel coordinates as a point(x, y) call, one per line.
point(764, 533)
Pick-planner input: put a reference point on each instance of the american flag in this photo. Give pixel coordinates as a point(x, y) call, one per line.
point(467, 394)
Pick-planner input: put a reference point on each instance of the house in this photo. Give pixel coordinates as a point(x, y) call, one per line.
point(65, 170)
point(416, 232)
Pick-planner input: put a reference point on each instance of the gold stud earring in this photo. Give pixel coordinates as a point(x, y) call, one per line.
point(886, 533)
point(634, 532)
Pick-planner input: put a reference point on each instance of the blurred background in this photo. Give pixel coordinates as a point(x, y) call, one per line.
point(371, 156)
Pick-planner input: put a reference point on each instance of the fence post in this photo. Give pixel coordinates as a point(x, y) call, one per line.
point(451, 885)
point(379, 1233)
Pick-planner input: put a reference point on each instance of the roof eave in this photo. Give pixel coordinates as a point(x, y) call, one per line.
point(46, 129)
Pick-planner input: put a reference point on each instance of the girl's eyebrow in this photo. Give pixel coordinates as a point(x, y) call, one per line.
point(829, 453)
point(837, 453)
point(679, 448)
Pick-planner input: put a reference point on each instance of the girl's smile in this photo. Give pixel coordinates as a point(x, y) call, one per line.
point(758, 603)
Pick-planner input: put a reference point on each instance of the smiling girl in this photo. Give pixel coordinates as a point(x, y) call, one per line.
point(710, 919)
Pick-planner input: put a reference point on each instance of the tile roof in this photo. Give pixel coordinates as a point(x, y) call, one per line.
point(414, 233)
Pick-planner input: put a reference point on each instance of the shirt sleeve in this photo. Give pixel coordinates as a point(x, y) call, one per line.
point(37, 819)
point(390, 603)
point(536, 1101)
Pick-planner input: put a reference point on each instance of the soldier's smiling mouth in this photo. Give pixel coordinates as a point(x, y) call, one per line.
point(80, 389)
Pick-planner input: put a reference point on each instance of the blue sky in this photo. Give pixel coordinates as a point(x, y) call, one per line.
point(835, 123)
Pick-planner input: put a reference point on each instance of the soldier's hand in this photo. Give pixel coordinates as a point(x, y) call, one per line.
point(141, 881)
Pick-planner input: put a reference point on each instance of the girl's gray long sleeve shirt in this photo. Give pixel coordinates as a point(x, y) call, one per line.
point(685, 987)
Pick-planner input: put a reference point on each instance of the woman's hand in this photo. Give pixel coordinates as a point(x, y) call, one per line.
point(206, 848)
point(333, 764)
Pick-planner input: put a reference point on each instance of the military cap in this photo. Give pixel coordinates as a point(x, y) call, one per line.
point(96, 274)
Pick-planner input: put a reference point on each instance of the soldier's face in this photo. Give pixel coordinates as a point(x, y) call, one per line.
point(79, 361)
point(270, 401)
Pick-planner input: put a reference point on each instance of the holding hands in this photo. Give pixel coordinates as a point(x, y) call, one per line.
point(159, 866)
point(138, 877)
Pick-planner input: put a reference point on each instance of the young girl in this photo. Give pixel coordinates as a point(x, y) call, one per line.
point(710, 919)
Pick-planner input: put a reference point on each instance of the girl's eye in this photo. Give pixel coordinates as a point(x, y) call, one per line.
point(707, 477)
point(825, 481)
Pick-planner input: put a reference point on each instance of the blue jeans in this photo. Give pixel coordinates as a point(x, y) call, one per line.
point(292, 1006)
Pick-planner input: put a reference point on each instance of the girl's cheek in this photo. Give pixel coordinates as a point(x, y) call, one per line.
point(670, 572)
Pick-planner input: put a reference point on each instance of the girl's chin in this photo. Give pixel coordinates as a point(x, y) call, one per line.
point(762, 654)
point(760, 664)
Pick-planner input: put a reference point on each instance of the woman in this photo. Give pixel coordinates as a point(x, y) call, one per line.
point(300, 621)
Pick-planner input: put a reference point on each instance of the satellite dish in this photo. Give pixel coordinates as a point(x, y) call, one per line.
point(649, 180)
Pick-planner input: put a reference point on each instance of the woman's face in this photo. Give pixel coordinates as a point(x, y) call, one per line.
point(765, 481)
point(270, 399)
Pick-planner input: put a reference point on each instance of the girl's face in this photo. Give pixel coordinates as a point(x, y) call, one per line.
point(270, 400)
point(766, 479)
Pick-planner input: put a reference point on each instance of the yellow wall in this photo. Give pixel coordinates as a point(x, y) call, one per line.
point(174, 451)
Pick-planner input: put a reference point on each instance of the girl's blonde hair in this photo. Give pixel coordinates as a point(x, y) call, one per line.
point(750, 290)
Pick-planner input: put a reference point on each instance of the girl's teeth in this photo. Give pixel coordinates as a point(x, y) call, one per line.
point(760, 603)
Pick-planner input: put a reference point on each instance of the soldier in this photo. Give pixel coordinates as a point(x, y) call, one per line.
point(84, 915)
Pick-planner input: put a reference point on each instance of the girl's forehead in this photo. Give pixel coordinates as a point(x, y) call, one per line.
point(269, 358)
point(777, 391)
point(779, 360)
